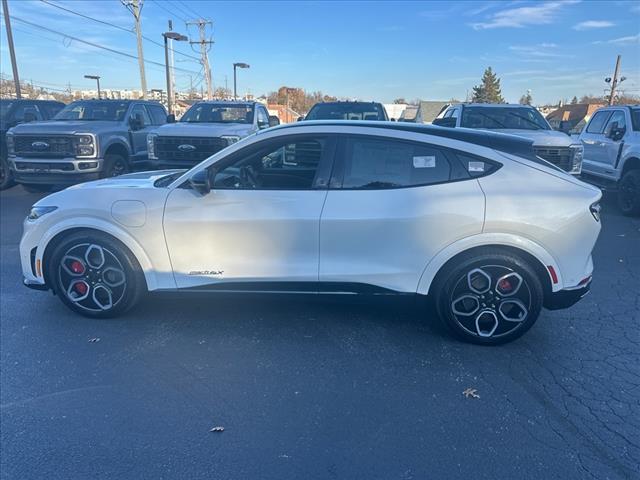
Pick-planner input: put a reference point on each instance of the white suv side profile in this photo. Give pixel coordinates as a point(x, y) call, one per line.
point(475, 220)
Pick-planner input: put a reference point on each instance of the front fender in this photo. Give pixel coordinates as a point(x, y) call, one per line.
point(107, 141)
point(486, 240)
point(106, 227)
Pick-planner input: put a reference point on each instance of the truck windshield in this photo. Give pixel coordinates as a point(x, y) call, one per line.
point(4, 108)
point(346, 111)
point(219, 113)
point(93, 110)
point(503, 118)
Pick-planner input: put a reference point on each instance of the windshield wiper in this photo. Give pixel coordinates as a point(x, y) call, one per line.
point(528, 120)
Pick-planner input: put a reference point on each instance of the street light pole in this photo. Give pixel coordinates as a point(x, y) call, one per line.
point(97, 79)
point(179, 38)
point(237, 65)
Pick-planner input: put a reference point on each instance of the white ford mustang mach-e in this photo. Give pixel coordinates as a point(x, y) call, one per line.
point(473, 219)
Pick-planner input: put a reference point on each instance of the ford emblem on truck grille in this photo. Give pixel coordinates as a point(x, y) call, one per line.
point(185, 147)
point(40, 146)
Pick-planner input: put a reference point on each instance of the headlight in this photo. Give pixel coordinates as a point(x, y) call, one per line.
point(576, 160)
point(85, 145)
point(10, 143)
point(151, 146)
point(37, 212)
point(230, 138)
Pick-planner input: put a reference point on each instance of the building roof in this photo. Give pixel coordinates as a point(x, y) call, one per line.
point(574, 111)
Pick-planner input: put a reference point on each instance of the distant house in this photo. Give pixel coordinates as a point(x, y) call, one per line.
point(428, 111)
point(572, 118)
point(285, 114)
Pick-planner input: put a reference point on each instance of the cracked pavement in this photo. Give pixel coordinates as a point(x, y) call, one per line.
point(317, 388)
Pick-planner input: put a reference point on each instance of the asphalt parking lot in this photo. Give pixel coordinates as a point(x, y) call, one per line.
point(315, 389)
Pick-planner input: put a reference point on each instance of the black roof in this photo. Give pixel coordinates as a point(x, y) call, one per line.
point(522, 147)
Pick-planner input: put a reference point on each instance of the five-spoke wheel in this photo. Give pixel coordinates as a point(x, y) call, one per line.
point(491, 298)
point(95, 274)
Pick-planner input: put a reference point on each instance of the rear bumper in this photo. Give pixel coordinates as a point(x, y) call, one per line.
point(566, 298)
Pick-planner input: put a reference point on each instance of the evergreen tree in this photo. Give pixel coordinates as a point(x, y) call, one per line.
point(526, 99)
point(574, 100)
point(489, 89)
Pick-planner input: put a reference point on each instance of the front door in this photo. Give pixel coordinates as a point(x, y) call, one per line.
point(139, 134)
point(612, 147)
point(258, 228)
point(595, 143)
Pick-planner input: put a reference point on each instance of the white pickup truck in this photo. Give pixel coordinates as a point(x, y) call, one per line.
point(611, 142)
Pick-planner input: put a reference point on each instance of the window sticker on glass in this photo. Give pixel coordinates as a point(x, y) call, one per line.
point(424, 162)
point(476, 166)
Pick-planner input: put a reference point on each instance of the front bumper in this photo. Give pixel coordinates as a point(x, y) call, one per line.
point(567, 297)
point(35, 286)
point(58, 171)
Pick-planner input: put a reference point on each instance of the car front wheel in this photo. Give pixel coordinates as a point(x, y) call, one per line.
point(490, 298)
point(95, 275)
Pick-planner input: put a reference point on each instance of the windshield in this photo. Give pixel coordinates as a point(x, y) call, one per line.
point(219, 113)
point(346, 111)
point(93, 110)
point(4, 108)
point(635, 119)
point(502, 118)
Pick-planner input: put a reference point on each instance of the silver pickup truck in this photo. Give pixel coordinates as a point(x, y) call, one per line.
point(611, 142)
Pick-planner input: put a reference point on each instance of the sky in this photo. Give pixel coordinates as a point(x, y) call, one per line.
point(366, 50)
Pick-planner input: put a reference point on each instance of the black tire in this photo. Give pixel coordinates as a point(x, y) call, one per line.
point(97, 298)
point(114, 165)
point(629, 193)
point(36, 188)
point(6, 176)
point(488, 324)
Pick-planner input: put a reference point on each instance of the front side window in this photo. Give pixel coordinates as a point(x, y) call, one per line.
point(278, 165)
point(93, 110)
point(495, 118)
point(596, 125)
point(140, 113)
point(263, 118)
point(617, 117)
point(27, 113)
point(372, 163)
point(219, 113)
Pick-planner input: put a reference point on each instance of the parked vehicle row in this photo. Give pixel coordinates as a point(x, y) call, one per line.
point(475, 220)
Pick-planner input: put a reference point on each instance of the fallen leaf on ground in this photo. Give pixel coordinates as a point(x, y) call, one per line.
point(217, 429)
point(471, 393)
point(94, 340)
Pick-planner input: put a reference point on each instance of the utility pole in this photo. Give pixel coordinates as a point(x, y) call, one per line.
point(171, 66)
point(12, 50)
point(135, 7)
point(614, 81)
point(205, 46)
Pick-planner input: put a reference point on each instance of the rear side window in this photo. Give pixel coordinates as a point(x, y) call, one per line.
point(596, 125)
point(375, 163)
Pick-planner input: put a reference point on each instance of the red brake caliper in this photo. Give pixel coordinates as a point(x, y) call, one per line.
point(77, 267)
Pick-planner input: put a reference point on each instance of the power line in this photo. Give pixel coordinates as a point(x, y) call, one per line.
point(193, 12)
point(179, 8)
point(115, 26)
point(169, 11)
point(109, 49)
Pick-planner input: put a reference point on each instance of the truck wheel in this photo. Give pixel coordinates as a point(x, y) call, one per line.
point(114, 165)
point(629, 193)
point(6, 177)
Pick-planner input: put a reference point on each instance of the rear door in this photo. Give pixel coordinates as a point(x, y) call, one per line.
point(392, 205)
point(595, 144)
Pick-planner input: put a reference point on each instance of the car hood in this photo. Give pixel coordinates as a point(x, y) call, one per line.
point(184, 129)
point(541, 138)
point(131, 180)
point(62, 127)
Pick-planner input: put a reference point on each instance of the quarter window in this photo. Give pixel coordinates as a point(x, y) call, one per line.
point(384, 163)
point(282, 165)
point(596, 125)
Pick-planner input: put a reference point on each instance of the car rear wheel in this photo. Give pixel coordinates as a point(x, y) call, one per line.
point(114, 165)
point(6, 177)
point(95, 275)
point(629, 193)
point(490, 298)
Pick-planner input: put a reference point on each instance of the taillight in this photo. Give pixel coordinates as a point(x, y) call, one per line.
point(595, 210)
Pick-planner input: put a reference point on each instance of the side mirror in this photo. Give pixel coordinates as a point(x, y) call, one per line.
point(171, 118)
point(449, 122)
point(273, 121)
point(201, 181)
point(135, 123)
point(300, 119)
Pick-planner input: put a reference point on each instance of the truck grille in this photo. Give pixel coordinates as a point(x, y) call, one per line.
point(43, 147)
point(168, 148)
point(560, 156)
